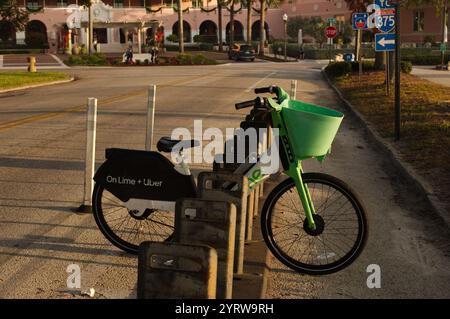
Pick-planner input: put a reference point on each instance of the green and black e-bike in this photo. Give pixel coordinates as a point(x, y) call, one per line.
point(312, 222)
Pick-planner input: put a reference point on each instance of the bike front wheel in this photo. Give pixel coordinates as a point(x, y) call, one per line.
point(125, 228)
point(341, 225)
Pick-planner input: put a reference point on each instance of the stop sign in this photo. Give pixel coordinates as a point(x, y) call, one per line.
point(331, 32)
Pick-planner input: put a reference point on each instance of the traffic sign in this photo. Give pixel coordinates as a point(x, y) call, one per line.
point(359, 20)
point(331, 20)
point(331, 32)
point(386, 20)
point(384, 4)
point(385, 42)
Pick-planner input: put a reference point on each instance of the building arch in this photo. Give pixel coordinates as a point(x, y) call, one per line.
point(208, 31)
point(36, 34)
point(7, 32)
point(187, 33)
point(256, 30)
point(238, 31)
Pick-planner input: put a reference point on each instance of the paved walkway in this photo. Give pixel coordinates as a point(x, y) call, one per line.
point(19, 61)
point(431, 74)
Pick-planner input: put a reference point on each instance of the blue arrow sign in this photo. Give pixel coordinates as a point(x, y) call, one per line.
point(359, 20)
point(385, 42)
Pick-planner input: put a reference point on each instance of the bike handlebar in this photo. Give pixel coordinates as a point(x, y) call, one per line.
point(256, 102)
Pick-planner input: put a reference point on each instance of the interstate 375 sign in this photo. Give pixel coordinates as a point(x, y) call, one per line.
point(385, 20)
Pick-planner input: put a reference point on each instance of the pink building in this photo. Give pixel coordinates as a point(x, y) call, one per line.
point(119, 22)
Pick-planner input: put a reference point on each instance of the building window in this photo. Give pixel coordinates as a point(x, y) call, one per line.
point(33, 4)
point(118, 4)
point(418, 21)
point(62, 3)
point(101, 35)
point(196, 3)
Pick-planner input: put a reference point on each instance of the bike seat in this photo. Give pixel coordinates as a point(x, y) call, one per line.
point(166, 144)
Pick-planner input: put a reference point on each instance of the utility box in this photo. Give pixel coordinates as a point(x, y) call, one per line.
point(213, 223)
point(169, 270)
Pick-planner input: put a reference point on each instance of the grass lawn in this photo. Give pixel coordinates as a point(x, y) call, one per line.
point(9, 80)
point(425, 121)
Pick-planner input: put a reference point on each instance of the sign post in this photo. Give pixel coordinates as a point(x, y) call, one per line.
point(359, 23)
point(330, 33)
point(397, 72)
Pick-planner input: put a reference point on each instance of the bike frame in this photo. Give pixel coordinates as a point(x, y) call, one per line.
point(254, 171)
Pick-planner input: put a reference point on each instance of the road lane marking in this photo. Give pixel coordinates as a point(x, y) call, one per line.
point(257, 83)
point(48, 115)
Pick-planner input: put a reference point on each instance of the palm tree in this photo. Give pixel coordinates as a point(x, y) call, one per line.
point(219, 12)
point(262, 29)
point(249, 21)
point(264, 5)
point(180, 26)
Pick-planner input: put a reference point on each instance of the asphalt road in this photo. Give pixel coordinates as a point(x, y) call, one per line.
point(42, 138)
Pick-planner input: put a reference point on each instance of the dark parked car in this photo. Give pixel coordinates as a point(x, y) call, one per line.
point(241, 52)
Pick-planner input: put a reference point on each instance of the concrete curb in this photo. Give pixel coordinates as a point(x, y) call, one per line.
point(37, 85)
point(405, 169)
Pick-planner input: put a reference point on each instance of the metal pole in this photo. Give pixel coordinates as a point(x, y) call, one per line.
point(285, 40)
point(444, 34)
point(293, 89)
point(386, 54)
point(397, 72)
point(151, 101)
point(91, 127)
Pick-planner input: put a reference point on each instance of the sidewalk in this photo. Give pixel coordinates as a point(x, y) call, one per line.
point(431, 74)
point(19, 61)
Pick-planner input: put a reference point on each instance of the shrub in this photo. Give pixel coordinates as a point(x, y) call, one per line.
point(338, 69)
point(95, 59)
point(172, 38)
point(406, 66)
point(184, 58)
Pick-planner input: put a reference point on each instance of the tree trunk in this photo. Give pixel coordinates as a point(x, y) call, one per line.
point(262, 31)
point(180, 27)
point(380, 61)
point(232, 24)
point(249, 21)
point(219, 8)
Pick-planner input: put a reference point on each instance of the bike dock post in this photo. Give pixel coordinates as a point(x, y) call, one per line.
point(151, 102)
point(212, 223)
point(293, 94)
point(209, 188)
point(91, 127)
point(175, 270)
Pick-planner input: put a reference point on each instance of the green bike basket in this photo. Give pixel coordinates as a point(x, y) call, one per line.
point(311, 128)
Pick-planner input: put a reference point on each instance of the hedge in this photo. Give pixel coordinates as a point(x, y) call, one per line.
point(338, 69)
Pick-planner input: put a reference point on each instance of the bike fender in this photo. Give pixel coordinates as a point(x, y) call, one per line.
point(144, 175)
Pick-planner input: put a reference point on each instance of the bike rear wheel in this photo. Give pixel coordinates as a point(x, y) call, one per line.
point(341, 225)
point(125, 229)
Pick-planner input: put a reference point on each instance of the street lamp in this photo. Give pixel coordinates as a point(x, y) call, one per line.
point(285, 19)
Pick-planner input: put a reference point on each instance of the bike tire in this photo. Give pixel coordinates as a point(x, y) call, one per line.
point(268, 226)
point(113, 236)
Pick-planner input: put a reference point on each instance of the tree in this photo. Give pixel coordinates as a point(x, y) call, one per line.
point(313, 27)
point(264, 4)
point(11, 12)
point(262, 24)
point(180, 27)
point(249, 20)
